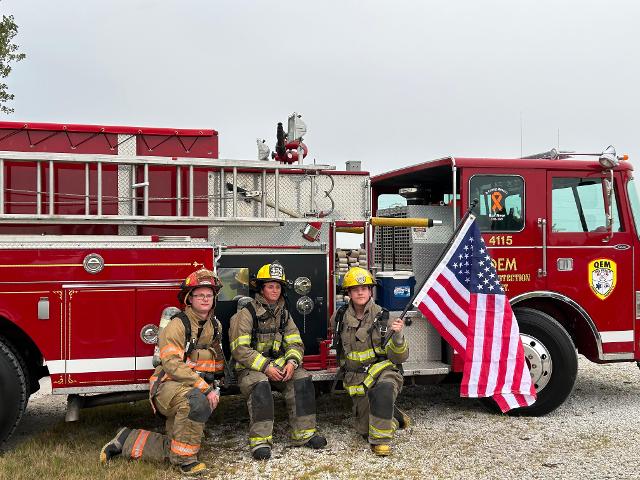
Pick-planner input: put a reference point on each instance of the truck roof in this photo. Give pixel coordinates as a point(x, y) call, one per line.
point(72, 127)
point(418, 170)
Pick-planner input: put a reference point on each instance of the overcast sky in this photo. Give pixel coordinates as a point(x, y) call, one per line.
point(390, 83)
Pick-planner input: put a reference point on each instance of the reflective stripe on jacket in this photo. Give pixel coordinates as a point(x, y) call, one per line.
point(269, 341)
point(363, 357)
point(206, 357)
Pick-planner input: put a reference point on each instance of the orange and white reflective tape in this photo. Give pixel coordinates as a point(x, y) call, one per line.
point(206, 365)
point(169, 350)
point(184, 449)
point(201, 385)
point(138, 445)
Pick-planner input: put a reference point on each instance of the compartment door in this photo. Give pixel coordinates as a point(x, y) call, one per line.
point(100, 336)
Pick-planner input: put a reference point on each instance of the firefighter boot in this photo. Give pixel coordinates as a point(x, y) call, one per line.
point(262, 453)
point(114, 447)
point(316, 442)
point(381, 450)
point(193, 468)
point(403, 419)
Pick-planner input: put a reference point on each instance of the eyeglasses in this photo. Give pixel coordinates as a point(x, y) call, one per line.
point(203, 296)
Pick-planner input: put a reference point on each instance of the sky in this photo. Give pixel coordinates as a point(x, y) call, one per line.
point(390, 83)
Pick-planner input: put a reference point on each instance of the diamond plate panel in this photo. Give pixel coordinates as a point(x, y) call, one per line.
point(425, 343)
point(349, 194)
point(287, 234)
point(127, 145)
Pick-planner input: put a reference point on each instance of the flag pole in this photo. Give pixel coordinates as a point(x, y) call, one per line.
point(444, 252)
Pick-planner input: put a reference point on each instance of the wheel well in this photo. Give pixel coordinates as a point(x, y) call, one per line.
point(571, 320)
point(27, 349)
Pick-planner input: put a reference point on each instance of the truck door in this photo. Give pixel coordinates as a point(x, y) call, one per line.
point(585, 263)
point(100, 335)
point(510, 206)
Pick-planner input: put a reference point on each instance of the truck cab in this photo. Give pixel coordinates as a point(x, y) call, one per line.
point(562, 234)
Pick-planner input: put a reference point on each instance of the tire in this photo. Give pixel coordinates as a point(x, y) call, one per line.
point(552, 359)
point(14, 391)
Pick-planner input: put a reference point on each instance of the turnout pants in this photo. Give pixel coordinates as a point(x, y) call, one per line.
point(299, 395)
point(186, 410)
point(373, 411)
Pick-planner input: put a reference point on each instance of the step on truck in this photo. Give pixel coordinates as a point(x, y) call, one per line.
point(99, 225)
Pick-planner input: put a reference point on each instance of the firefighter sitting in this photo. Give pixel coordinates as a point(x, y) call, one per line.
point(183, 387)
point(370, 346)
point(268, 350)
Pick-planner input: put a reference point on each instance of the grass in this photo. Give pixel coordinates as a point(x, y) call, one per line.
point(70, 450)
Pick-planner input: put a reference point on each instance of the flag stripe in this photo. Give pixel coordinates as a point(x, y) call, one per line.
point(465, 302)
point(457, 316)
point(452, 335)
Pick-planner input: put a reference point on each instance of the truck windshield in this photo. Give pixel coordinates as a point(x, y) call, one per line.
point(635, 204)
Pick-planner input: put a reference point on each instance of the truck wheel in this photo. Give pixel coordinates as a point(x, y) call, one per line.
point(13, 394)
point(552, 359)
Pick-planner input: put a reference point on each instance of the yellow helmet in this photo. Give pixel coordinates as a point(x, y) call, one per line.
point(271, 272)
point(242, 276)
point(357, 276)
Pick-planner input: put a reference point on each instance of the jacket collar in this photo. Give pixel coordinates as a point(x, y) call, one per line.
point(262, 306)
point(367, 310)
point(195, 318)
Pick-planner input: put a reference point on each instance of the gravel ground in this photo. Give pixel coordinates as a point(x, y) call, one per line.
point(593, 435)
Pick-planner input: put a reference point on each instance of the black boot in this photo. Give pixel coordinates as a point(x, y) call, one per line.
point(316, 442)
point(402, 417)
point(262, 453)
point(114, 447)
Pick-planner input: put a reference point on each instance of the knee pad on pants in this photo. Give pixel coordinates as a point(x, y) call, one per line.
point(305, 394)
point(261, 402)
point(199, 408)
point(381, 400)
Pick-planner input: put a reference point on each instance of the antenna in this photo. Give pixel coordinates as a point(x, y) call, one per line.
point(520, 134)
point(558, 138)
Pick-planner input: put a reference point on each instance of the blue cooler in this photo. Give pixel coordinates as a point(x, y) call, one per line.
point(394, 289)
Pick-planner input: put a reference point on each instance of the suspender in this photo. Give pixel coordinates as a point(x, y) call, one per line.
point(190, 343)
point(254, 329)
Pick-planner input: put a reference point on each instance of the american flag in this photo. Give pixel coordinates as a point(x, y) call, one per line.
point(465, 302)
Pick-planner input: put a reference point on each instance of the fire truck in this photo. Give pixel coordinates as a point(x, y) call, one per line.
point(99, 225)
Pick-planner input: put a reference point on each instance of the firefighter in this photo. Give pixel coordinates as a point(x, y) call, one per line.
point(183, 388)
point(267, 349)
point(370, 348)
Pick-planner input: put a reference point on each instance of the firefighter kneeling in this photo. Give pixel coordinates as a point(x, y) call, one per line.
point(370, 346)
point(183, 388)
point(268, 350)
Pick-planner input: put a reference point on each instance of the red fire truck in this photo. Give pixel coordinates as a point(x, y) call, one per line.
point(99, 225)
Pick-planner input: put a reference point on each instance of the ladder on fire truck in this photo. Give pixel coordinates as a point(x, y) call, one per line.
point(224, 192)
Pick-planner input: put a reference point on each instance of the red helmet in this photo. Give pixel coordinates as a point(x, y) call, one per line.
point(200, 278)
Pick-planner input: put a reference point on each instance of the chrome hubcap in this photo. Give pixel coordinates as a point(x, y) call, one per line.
point(539, 361)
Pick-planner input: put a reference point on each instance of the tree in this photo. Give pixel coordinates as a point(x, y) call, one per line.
point(8, 54)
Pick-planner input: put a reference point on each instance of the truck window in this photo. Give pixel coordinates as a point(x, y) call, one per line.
point(577, 205)
point(501, 202)
point(635, 203)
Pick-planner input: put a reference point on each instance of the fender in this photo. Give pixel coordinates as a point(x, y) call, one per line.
point(583, 313)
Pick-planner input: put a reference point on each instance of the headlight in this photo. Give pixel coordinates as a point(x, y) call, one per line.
point(304, 305)
point(302, 285)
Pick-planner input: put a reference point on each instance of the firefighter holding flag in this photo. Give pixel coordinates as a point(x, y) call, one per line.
point(370, 347)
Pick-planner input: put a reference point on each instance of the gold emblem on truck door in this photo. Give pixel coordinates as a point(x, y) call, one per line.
point(603, 273)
